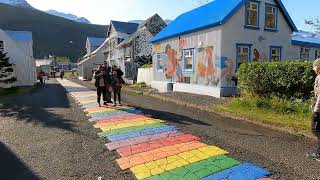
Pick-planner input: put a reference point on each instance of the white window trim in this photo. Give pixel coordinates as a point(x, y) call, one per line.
point(247, 14)
point(275, 13)
point(279, 53)
point(189, 56)
point(303, 53)
point(158, 60)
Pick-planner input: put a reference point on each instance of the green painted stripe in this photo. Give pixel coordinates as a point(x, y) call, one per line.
point(199, 169)
point(129, 129)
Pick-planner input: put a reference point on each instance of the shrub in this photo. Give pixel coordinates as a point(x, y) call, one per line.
point(147, 66)
point(289, 79)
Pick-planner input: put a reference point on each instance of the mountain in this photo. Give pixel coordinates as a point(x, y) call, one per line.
point(69, 16)
point(51, 34)
point(20, 3)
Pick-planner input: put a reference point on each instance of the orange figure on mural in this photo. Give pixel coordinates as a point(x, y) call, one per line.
point(256, 55)
point(206, 67)
point(227, 73)
point(173, 68)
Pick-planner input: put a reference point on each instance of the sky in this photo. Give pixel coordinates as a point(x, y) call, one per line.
point(102, 11)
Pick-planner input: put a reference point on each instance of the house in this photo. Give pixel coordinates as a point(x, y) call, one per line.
point(117, 33)
point(136, 50)
point(93, 43)
point(45, 65)
point(200, 52)
point(19, 48)
point(92, 59)
point(309, 44)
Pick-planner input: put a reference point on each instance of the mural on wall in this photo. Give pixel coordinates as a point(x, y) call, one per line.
point(256, 55)
point(227, 72)
point(206, 68)
point(172, 67)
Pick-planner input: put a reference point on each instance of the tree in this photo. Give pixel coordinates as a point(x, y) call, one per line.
point(315, 23)
point(6, 70)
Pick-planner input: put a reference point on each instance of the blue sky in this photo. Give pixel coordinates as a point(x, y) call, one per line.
point(102, 11)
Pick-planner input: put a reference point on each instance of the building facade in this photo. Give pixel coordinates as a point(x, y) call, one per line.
point(200, 52)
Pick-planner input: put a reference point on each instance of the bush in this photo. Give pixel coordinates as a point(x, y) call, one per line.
point(147, 66)
point(288, 80)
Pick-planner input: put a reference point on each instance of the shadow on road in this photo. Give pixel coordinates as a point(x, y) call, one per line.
point(12, 167)
point(38, 107)
point(172, 117)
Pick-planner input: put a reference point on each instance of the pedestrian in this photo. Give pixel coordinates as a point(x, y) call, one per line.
point(108, 71)
point(116, 81)
point(100, 77)
point(315, 125)
point(61, 73)
point(41, 74)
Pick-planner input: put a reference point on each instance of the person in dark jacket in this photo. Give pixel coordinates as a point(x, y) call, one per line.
point(108, 82)
point(116, 82)
point(100, 83)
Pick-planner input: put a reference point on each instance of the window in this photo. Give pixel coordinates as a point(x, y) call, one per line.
point(1, 46)
point(317, 54)
point(160, 62)
point(188, 56)
point(304, 54)
point(243, 54)
point(271, 17)
point(252, 14)
point(275, 54)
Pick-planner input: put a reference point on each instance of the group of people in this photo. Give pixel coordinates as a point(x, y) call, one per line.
point(108, 80)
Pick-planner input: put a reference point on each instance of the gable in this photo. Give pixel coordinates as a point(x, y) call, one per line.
point(199, 19)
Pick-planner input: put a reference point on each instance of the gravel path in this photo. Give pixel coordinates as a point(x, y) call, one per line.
point(45, 135)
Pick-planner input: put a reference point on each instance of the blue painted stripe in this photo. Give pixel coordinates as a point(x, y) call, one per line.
point(245, 171)
point(150, 131)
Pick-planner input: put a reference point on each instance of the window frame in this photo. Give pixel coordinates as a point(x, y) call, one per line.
point(158, 60)
point(184, 59)
point(254, 27)
point(266, 17)
point(301, 54)
point(249, 46)
point(1, 45)
point(280, 53)
point(317, 54)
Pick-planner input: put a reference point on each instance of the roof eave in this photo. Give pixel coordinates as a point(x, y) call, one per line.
point(303, 43)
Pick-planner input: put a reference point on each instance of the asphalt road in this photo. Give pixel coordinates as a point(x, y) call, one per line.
point(45, 135)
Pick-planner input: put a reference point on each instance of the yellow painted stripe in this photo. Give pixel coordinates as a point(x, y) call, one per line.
point(126, 125)
point(166, 164)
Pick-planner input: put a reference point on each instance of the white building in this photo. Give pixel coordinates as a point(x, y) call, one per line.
point(92, 59)
point(200, 52)
point(19, 47)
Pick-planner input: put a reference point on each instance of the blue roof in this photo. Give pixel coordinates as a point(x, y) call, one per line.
point(125, 27)
point(303, 38)
point(96, 42)
point(212, 14)
point(25, 36)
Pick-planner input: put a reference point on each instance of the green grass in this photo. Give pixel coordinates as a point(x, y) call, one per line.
point(14, 91)
point(272, 111)
point(139, 85)
point(146, 66)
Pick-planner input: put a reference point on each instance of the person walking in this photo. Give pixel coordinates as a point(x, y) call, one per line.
point(100, 77)
point(117, 81)
point(61, 73)
point(108, 82)
point(315, 125)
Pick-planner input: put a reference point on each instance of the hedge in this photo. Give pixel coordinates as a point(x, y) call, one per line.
point(289, 79)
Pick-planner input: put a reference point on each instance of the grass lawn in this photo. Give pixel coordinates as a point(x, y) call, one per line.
point(68, 74)
point(293, 114)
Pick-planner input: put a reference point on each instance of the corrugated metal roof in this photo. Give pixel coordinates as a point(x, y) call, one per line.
point(306, 39)
point(25, 36)
point(96, 42)
point(125, 27)
point(212, 14)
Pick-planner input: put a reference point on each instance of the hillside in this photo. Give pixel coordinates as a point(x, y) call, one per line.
point(51, 34)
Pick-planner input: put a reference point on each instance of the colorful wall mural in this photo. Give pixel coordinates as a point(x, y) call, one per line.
point(209, 69)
